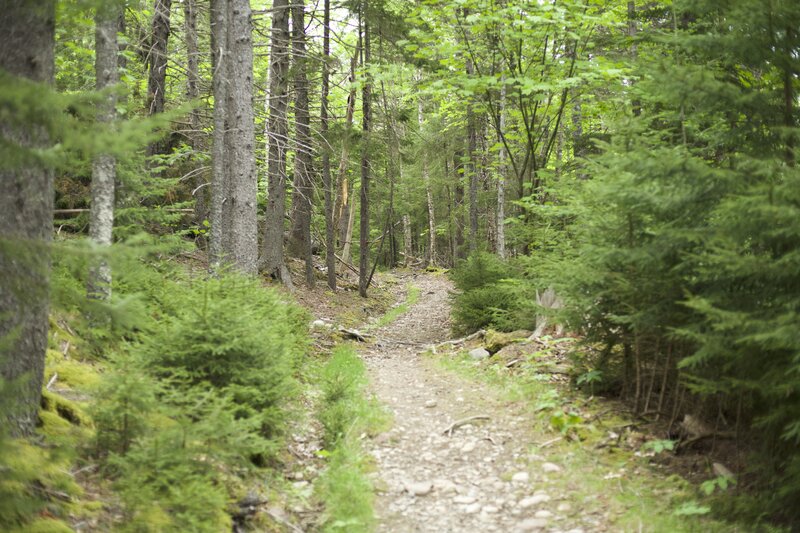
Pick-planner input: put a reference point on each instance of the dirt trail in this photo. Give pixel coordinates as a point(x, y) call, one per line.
point(482, 476)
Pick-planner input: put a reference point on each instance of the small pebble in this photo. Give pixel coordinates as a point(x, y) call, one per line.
point(520, 477)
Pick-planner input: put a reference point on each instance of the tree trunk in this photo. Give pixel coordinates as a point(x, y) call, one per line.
point(636, 103)
point(408, 250)
point(458, 206)
point(200, 191)
point(218, 245)
point(472, 166)
point(330, 236)
point(27, 39)
point(500, 232)
point(343, 205)
point(348, 232)
point(104, 166)
point(277, 136)
point(300, 236)
point(157, 61)
point(430, 255)
point(365, 165)
point(240, 140)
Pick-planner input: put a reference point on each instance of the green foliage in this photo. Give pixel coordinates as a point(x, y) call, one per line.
point(31, 472)
point(491, 295)
point(344, 410)
point(345, 414)
point(236, 337)
point(346, 490)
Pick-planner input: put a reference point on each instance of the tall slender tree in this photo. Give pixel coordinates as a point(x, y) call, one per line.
point(502, 170)
point(157, 65)
point(218, 245)
point(240, 139)
point(195, 134)
point(430, 254)
point(330, 236)
point(27, 41)
point(104, 165)
point(366, 96)
point(300, 236)
point(277, 134)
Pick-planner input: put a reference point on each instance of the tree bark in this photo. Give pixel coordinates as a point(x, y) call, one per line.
point(300, 236)
point(240, 140)
point(472, 166)
point(458, 206)
point(430, 255)
point(408, 250)
point(365, 164)
point(218, 244)
point(277, 136)
point(343, 204)
point(194, 137)
point(27, 41)
point(330, 235)
point(104, 166)
point(500, 232)
point(157, 62)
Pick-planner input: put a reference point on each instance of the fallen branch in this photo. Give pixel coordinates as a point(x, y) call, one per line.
point(353, 334)
point(480, 333)
point(458, 423)
point(694, 440)
point(52, 380)
point(550, 442)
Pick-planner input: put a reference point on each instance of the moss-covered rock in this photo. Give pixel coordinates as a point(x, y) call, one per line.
point(64, 408)
point(496, 340)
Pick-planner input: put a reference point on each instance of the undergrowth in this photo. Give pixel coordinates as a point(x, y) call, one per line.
point(612, 481)
point(168, 402)
point(347, 416)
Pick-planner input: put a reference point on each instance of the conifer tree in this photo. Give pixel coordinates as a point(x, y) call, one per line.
point(26, 206)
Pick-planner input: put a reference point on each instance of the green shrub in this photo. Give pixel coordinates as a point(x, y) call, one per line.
point(347, 491)
point(342, 381)
point(345, 414)
point(237, 337)
point(492, 294)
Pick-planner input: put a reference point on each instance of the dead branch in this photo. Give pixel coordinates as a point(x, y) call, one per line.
point(480, 333)
point(353, 334)
point(458, 423)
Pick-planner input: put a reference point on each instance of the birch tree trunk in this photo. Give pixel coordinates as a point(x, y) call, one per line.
point(277, 136)
point(27, 41)
point(300, 236)
point(430, 255)
point(501, 180)
point(472, 139)
point(101, 222)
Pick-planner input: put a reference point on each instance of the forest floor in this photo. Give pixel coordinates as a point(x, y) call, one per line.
point(466, 454)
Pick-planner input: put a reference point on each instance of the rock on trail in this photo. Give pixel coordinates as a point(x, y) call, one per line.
point(478, 477)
